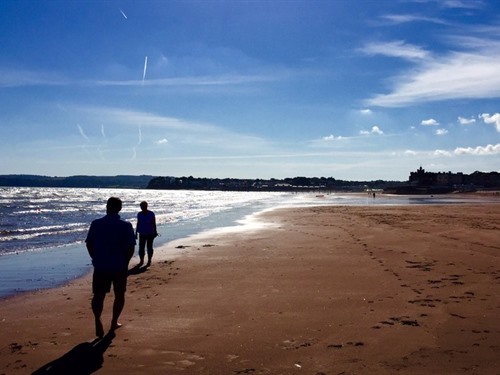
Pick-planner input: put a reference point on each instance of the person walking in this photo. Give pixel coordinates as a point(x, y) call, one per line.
point(146, 229)
point(110, 242)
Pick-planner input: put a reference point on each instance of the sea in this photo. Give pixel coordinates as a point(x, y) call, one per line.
point(43, 230)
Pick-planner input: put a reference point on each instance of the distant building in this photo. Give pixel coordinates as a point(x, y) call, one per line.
point(482, 179)
point(422, 178)
point(450, 179)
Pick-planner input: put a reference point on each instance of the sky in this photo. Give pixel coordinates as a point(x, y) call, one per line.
point(354, 89)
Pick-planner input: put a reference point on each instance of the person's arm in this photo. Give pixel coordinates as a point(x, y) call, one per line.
point(131, 250)
point(136, 226)
point(89, 243)
point(90, 249)
point(154, 225)
point(132, 242)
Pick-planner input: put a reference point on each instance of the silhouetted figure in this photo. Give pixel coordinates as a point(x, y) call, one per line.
point(110, 243)
point(146, 229)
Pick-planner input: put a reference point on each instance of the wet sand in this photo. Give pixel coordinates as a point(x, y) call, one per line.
point(323, 290)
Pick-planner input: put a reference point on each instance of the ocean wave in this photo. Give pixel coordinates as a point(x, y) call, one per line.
point(37, 218)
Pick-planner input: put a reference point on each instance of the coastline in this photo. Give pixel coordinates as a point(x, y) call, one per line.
point(328, 289)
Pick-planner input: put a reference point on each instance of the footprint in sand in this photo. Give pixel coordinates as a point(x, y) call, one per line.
point(403, 320)
point(185, 361)
point(294, 344)
point(424, 266)
point(246, 371)
point(231, 357)
point(15, 347)
point(425, 302)
point(347, 344)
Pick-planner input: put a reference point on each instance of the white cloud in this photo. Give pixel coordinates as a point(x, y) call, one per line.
point(429, 122)
point(465, 121)
point(374, 130)
point(198, 135)
point(441, 132)
point(162, 141)
point(494, 119)
point(457, 75)
point(203, 81)
point(480, 150)
point(24, 78)
point(407, 18)
point(331, 137)
point(463, 4)
point(365, 111)
point(21, 78)
point(441, 153)
point(144, 119)
point(395, 49)
point(410, 153)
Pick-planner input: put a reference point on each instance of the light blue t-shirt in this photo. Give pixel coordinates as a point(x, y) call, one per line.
point(145, 222)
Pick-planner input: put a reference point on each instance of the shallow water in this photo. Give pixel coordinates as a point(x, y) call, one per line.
point(42, 229)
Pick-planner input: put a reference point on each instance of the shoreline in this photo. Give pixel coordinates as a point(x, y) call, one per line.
point(55, 266)
point(326, 289)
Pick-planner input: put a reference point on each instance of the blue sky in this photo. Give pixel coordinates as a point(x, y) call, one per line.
point(355, 90)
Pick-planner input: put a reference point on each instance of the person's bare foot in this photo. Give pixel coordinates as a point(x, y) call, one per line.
point(99, 329)
point(115, 326)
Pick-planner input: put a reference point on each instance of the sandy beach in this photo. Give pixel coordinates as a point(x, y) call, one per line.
point(322, 290)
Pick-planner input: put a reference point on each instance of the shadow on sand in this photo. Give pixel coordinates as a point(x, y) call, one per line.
point(83, 359)
point(136, 270)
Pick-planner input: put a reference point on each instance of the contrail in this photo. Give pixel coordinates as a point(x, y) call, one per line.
point(134, 149)
point(145, 68)
point(123, 14)
point(80, 129)
point(103, 133)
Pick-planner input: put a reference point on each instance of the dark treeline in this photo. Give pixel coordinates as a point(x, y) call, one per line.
point(287, 184)
point(192, 183)
point(130, 182)
point(418, 180)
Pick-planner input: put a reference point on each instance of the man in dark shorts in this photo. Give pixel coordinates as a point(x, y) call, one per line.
point(110, 243)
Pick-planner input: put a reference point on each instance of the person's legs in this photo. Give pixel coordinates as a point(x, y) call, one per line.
point(119, 287)
point(97, 306)
point(142, 246)
point(118, 305)
point(150, 248)
point(101, 284)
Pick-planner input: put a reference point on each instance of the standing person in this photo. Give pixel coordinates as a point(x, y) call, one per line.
point(110, 243)
point(146, 228)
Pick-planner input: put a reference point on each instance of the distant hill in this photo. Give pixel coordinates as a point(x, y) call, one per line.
point(191, 183)
point(124, 181)
point(273, 184)
point(420, 182)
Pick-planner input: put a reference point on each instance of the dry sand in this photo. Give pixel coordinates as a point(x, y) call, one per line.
point(326, 290)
